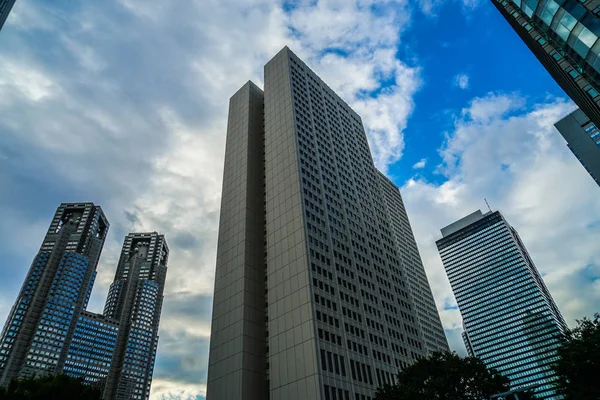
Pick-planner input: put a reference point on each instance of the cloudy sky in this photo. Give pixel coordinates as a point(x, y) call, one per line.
point(124, 102)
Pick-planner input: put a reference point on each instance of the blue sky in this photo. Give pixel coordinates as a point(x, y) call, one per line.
point(124, 103)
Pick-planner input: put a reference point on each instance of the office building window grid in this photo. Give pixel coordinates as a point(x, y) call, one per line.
point(348, 230)
point(92, 348)
point(509, 317)
point(299, 181)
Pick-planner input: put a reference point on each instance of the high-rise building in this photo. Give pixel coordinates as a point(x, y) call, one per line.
point(583, 138)
point(320, 292)
point(510, 320)
point(135, 301)
point(5, 7)
point(426, 310)
point(563, 35)
point(42, 321)
point(48, 330)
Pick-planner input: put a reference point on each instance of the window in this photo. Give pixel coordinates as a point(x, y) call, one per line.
point(591, 91)
point(573, 72)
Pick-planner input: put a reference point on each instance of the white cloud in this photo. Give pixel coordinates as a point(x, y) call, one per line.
point(513, 156)
point(420, 164)
point(168, 390)
point(431, 8)
point(461, 81)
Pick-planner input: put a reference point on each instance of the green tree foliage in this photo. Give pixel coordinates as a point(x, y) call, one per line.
point(49, 387)
point(445, 376)
point(578, 368)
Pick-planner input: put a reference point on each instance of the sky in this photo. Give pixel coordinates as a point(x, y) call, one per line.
point(124, 103)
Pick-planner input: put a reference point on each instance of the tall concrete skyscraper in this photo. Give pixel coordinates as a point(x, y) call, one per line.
point(42, 321)
point(510, 320)
point(583, 139)
point(5, 7)
point(320, 292)
point(563, 35)
point(135, 301)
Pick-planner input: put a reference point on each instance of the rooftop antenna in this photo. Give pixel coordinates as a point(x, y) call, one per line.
point(487, 204)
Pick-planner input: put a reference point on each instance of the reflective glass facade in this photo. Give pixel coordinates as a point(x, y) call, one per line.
point(583, 139)
point(135, 301)
point(39, 327)
point(5, 7)
point(313, 287)
point(48, 330)
point(563, 34)
point(511, 322)
point(92, 347)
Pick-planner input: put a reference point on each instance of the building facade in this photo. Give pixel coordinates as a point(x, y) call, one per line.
point(313, 297)
point(48, 330)
point(583, 139)
point(135, 300)
point(510, 320)
point(5, 7)
point(563, 35)
point(91, 349)
point(42, 321)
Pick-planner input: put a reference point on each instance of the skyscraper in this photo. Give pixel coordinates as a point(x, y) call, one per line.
point(116, 350)
point(583, 138)
point(5, 7)
point(135, 301)
point(317, 270)
point(42, 321)
point(510, 320)
point(563, 35)
point(48, 330)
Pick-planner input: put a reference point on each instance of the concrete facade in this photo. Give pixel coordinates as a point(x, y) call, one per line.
point(312, 295)
point(583, 138)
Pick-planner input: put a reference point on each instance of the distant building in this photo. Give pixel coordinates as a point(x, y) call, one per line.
point(5, 7)
point(511, 322)
point(563, 35)
point(48, 330)
point(135, 301)
point(36, 336)
point(583, 138)
point(320, 292)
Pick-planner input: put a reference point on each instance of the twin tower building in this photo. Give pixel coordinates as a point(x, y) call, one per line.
point(49, 331)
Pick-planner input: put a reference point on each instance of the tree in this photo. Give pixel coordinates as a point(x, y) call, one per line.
point(49, 387)
point(445, 376)
point(578, 368)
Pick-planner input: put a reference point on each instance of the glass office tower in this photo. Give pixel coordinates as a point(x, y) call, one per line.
point(135, 301)
point(583, 139)
point(563, 35)
point(314, 295)
point(510, 320)
point(48, 330)
point(5, 7)
point(42, 321)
